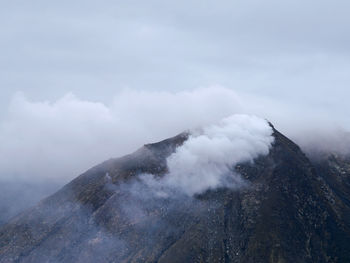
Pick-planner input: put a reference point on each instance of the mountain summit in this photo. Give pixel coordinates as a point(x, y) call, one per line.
point(267, 205)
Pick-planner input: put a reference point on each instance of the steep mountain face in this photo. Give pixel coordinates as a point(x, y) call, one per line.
point(290, 210)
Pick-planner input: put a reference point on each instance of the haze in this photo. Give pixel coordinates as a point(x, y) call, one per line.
point(84, 81)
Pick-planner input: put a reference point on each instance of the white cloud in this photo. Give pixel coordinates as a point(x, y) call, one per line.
point(60, 139)
point(207, 159)
point(63, 138)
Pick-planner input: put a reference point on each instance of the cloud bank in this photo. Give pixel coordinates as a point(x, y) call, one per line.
point(45, 144)
point(57, 140)
point(60, 139)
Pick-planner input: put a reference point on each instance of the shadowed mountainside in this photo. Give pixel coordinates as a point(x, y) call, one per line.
point(291, 210)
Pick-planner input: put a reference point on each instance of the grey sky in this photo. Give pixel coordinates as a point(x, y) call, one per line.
point(291, 50)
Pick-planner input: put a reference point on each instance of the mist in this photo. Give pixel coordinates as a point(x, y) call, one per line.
point(84, 82)
point(54, 141)
point(61, 139)
point(207, 159)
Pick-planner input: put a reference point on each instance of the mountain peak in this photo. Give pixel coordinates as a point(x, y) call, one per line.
point(287, 210)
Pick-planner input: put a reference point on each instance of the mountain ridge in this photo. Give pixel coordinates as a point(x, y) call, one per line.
point(292, 210)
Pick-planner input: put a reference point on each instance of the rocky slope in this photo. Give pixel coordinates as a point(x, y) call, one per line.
point(291, 210)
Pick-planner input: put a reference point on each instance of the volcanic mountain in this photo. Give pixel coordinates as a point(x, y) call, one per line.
point(285, 209)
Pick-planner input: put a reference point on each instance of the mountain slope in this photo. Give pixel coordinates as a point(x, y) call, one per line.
point(289, 211)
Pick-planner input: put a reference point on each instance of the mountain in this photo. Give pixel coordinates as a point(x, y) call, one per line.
point(289, 210)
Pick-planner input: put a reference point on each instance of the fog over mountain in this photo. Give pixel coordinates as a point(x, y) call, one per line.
point(234, 191)
point(50, 142)
point(71, 134)
point(206, 159)
point(85, 81)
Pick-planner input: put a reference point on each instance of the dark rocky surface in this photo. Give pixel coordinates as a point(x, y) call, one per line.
point(292, 210)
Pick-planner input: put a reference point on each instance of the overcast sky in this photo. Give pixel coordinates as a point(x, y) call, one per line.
point(291, 50)
point(101, 65)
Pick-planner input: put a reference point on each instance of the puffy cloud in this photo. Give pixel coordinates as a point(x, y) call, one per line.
point(44, 144)
point(61, 139)
point(207, 159)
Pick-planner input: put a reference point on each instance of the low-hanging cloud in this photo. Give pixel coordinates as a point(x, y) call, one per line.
point(44, 144)
point(208, 158)
point(59, 140)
